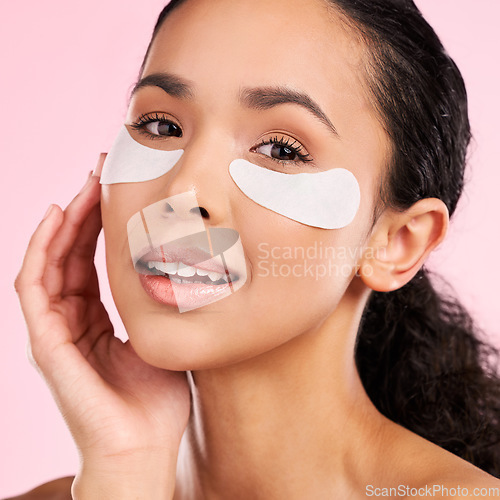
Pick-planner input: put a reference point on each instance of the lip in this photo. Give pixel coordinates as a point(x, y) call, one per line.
point(191, 256)
point(186, 296)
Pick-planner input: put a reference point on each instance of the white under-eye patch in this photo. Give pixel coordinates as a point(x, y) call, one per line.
point(328, 199)
point(130, 161)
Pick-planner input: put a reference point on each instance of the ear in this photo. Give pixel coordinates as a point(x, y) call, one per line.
point(401, 242)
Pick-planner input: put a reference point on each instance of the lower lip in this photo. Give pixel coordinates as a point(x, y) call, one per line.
point(187, 296)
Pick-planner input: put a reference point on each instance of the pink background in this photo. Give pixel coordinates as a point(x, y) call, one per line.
point(67, 69)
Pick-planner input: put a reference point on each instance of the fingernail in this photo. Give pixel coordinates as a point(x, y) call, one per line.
point(47, 213)
point(87, 182)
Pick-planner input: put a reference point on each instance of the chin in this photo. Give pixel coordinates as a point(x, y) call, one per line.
point(210, 337)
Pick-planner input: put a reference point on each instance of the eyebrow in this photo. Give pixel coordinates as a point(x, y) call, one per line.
point(259, 98)
point(269, 97)
point(171, 84)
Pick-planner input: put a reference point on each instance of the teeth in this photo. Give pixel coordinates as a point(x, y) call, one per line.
point(164, 267)
point(178, 270)
point(160, 266)
point(186, 272)
point(215, 276)
point(171, 267)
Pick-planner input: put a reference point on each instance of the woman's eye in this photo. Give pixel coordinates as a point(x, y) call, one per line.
point(278, 152)
point(156, 126)
point(283, 150)
point(163, 128)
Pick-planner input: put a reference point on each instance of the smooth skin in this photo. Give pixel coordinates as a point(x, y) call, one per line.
point(277, 408)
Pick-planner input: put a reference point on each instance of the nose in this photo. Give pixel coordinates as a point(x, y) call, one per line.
point(204, 171)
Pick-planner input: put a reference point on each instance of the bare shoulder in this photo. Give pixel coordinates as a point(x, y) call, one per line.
point(59, 489)
point(467, 483)
point(428, 470)
point(457, 478)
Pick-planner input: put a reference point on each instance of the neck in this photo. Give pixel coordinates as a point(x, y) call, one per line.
point(287, 421)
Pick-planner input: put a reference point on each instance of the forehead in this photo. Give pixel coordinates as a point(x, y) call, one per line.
point(228, 43)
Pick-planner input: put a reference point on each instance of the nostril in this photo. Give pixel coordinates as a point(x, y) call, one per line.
point(200, 210)
point(168, 208)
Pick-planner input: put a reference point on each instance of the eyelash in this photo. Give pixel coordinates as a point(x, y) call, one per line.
point(292, 144)
point(286, 142)
point(145, 119)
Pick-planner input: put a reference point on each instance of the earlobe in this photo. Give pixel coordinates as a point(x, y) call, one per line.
point(401, 242)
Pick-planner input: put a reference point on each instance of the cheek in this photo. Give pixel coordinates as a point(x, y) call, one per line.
point(292, 264)
point(118, 204)
point(113, 206)
point(299, 273)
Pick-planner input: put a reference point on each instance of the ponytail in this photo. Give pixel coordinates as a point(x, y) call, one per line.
point(424, 367)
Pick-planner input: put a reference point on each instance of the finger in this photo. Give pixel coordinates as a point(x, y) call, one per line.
point(80, 260)
point(86, 317)
point(29, 283)
point(75, 215)
point(100, 163)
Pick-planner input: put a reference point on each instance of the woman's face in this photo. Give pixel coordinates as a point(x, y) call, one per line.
point(297, 274)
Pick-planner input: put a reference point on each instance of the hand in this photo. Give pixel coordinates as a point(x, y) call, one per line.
point(126, 417)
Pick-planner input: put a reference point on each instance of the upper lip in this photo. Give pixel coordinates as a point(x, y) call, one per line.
point(190, 256)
